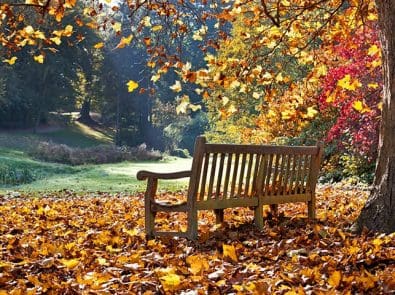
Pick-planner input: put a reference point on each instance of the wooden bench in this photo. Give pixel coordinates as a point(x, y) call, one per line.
point(230, 175)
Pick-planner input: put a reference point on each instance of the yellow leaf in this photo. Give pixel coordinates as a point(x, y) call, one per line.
point(146, 21)
point(70, 263)
point(124, 41)
point(170, 282)
point(197, 264)
point(331, 98)
point(335, 278)
point(155, 78)
point(221, 283)
point(68, 31)
point(131, 232)
point(132, 85)
point(69, 3)
point(176, 87)
point(197, 37)
point(322, 70)
point(279, 77)
point(311, 112)
point(156, 28)
point(151, 64)
point(357, 105)
point(56, 40)
point(373, 85)
point(182, 107)
point(29, 30)
point(229, 251)
point(194, 107)
point(39, 58)
point(373, 50)
point(256, 95)
point(102, 261)
point(234, 84)
point(98, 45)
point(232, 109)
point(372, 16)
point(286, 115)
point(57, 33)
point(225, 100)
point(117, 27)
point(11, 61)
point(39, 35)
point(346, 83)
point(376, 63)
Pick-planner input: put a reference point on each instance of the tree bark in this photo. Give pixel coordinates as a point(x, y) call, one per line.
point(85, 113)
point(378, 213)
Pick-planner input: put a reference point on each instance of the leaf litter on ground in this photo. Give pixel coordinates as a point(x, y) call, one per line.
point(94, 243)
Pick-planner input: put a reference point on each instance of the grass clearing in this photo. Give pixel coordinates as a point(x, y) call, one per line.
point(77, 134)
point(106, 177)
point(14, 148)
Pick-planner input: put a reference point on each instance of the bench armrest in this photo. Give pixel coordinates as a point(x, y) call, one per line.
point(142, 175)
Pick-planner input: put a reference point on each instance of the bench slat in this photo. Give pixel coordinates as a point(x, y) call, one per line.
point(256, 172)
point(268, 174)
point(227, 203)
point(242, 174)
point(234, 175)
point(212, 174)
point(274, 179)
point(268, 200)
point(249, 170)
point(204, 176)
point(281, 175)
point(220, 176)
point(260, 149)
point(227, 176)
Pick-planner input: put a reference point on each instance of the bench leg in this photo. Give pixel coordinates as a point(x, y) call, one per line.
point(258, 215)
point(149, 221)
point(219, 216)
point(192, 225)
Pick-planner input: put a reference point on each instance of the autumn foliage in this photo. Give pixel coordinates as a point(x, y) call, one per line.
point(71, 244)
point(352, 89)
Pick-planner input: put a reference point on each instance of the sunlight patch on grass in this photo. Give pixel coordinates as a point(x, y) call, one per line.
point(96, 134)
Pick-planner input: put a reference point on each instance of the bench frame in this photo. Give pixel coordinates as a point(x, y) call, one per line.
point(230, 175)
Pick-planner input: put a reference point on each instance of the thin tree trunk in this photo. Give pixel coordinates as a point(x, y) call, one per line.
point(379, 211)
point(85, 115)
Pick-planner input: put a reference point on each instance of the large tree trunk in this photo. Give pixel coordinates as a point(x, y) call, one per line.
point(379, 211)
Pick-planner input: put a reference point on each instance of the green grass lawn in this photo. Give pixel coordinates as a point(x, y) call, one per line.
point(106, 177)
point(14, 158)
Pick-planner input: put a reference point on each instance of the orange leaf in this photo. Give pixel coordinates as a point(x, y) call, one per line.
point(229, 251)
point(335, 279)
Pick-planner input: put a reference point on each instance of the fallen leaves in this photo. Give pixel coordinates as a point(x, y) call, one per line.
point(132, 85)
point(94, 243)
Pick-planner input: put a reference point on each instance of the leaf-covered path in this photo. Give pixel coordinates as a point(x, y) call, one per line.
point(64, 243)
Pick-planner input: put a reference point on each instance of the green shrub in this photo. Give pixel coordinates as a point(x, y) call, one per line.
point(181, 153)
point(13, 176)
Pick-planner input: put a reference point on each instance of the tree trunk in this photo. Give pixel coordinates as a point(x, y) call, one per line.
point(85, 110)
point(379, 211)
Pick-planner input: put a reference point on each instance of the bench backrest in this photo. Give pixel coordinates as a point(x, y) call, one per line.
point(228, 175)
